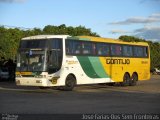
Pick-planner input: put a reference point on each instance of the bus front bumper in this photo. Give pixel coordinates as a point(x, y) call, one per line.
point(34, 82)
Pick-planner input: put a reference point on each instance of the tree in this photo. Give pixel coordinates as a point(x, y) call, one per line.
point(63, 29)
point(9, 40)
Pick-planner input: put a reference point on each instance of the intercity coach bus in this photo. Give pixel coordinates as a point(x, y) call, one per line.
point(65, 61)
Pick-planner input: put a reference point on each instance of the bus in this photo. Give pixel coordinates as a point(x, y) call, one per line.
point(65, 61)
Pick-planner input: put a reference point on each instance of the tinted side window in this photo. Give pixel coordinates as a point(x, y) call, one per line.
point(145, 51)
point(138, 51)
point(116, 50)
point(102, 49)
point(73, 47)
point(69, 47)
point(77, 47)
point(87, 48)
point(127, 51)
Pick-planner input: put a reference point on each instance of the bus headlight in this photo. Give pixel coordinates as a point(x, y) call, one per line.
point(38, 81)
point(54, 80)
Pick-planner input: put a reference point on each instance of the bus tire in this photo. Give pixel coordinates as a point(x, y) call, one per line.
point(43, 87)
point(111, 84)
point(126, 80)
point(70, 83)
point(134, 79)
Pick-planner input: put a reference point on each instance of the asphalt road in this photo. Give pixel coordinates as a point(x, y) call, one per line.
point(89, 99)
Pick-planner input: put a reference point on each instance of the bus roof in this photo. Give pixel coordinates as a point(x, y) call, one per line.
point(45, 37)
point(109, 40)
point(85, 38)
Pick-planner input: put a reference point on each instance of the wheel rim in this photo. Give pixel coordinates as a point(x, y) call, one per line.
point(126, 80)
point(69, 83)
point(134, 79)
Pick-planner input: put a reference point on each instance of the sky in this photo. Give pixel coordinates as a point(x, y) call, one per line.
point(108, 18)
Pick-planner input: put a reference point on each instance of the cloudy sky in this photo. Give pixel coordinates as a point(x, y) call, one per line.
point(108, 18)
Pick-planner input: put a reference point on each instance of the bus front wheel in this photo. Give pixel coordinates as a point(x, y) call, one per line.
point(70, 83)
point(126, 80)
point(134, 79)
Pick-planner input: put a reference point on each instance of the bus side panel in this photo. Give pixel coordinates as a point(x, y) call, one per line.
point(114, 71)
point(117, 70)
point(87, 70)
point(142, 67)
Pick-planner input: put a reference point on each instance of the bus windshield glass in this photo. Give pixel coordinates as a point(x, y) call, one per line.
point(39, 43)
point(31, 60)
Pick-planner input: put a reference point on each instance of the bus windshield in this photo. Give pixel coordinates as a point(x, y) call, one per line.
point(39, 43)
point(31, 60)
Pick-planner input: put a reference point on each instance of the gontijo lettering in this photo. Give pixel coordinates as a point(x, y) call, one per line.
point(117, 61)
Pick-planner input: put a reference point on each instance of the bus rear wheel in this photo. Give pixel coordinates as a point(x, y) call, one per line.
point(126, 80)
point(70, 83)
point(134, 79)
